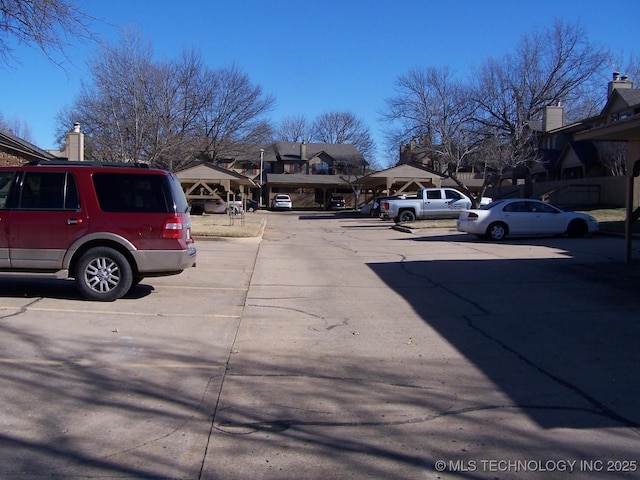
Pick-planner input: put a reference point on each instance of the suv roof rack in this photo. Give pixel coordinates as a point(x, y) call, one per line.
point(89, 163)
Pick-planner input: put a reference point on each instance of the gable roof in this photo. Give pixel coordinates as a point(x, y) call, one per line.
point(620, 100)
point(23, 149)
point(344, 152)
point(619, 119)
point(584, 150)
point(406, 170)
point(208, 172)
point(405, 173)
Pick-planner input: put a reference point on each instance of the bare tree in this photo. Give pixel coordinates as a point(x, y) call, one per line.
point(343, 127)
point(613, 156)
point(16, 126)
point(164, 113)
point(44, 24)
point(293, 129)
point(174, 111)
point(434, 107)
point(114, 106)
point(233, 112)
point(547, 68)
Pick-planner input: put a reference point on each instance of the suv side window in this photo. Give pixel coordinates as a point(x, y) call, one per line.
point(48, 191)
point(5, 186)
point(133, 193)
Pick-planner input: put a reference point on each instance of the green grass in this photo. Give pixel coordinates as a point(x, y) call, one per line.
point(612, 219)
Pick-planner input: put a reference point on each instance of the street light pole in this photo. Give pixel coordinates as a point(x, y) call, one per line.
point(261, 169)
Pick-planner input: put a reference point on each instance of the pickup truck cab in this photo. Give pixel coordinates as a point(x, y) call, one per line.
point(426, 204)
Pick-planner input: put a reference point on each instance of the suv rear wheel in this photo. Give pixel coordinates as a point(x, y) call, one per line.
point(103, 274)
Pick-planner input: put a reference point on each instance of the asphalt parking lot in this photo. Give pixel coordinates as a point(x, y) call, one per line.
point(333, 348)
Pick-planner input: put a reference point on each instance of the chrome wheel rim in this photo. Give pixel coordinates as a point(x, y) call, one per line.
point(102, 274)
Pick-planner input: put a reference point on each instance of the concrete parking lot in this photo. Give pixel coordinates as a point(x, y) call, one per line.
point(333, 348)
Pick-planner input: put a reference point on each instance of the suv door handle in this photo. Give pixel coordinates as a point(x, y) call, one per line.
point(74, 221)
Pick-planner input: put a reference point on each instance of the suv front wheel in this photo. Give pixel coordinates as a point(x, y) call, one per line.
point(103, 274)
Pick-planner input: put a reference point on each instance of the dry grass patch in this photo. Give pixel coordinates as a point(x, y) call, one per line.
point(222, 225)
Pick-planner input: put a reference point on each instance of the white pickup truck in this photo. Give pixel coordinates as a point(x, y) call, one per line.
point(428, 203)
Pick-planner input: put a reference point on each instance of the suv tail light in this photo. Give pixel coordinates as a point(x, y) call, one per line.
point(172, 228)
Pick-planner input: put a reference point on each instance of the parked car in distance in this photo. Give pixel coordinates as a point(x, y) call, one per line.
point(521, 216)
point(252, 205)
point(367, 209)
point(107, 226)
point(281, 202)
point(336, 202)
point(215, 205)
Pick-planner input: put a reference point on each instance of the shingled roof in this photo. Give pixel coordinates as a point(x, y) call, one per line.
point(342, 152)
point(18, 148)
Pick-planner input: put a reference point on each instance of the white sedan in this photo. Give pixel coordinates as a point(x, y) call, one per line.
point(521, 216)
point(281, 201)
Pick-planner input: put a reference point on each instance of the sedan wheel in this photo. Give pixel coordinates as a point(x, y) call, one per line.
point(577, 228)
point(497, 231)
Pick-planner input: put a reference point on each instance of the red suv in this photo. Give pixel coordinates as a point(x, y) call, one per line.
point(105, 225)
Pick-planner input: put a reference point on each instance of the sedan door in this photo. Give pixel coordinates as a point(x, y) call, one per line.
point(547, 219)
point(518, 217)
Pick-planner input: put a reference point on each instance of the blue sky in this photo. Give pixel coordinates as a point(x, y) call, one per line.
point(313, 56)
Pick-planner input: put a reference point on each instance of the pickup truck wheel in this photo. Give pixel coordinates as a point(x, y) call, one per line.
point(197, 210)
point(406, 216)
point(103, 274)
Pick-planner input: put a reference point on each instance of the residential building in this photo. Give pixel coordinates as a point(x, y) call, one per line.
point(572, 161)
point(16, 151)
point(309, 172)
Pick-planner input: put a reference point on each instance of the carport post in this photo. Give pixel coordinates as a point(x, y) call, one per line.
point(633, 170)
point(261, 167)
point(628, 223)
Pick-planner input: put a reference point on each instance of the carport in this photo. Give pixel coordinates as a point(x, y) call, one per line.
point(623, 127)
point(400, 179)
point(206, 182)
point(308, 190)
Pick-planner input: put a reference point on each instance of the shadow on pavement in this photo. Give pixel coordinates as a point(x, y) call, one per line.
point(557, 336)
